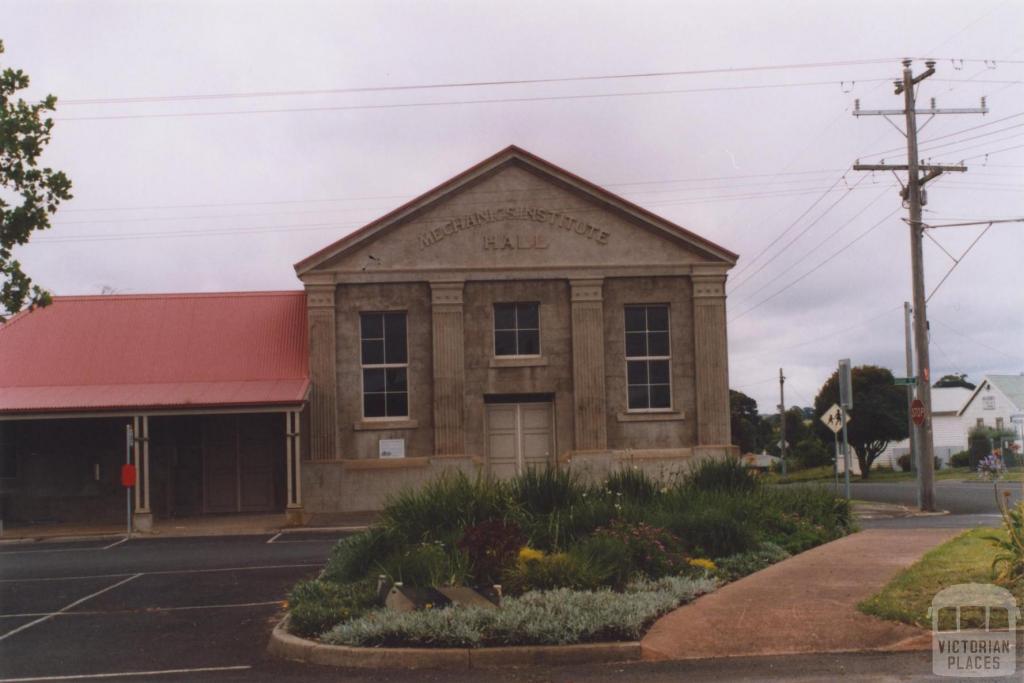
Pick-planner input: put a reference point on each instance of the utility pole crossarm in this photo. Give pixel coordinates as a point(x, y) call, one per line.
point(919, 112)
point(938, 168)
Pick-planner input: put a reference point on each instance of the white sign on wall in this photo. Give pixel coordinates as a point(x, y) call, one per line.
point(988, 402)
point(392, 448)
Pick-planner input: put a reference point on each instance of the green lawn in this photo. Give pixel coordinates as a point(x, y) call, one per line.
point(964, 559)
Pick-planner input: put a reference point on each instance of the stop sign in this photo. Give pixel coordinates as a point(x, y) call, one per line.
point(917, 412)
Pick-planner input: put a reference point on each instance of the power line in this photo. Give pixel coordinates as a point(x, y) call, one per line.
point(153, 207)
point(447, 103)
point(978, 222)
point(970, 148)
point(819, 266)
point(320, 226)
point(832, 234)
point(948, 135)
point(470, 84)
point(988, 154)
point(791, 225)
point(956, 261)
point(975, 341)
point(800, 234)
point(745, 194)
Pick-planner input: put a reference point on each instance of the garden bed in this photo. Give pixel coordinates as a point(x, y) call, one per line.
point(576, 563)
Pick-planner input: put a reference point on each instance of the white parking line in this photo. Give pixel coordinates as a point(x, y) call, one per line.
point(166, 572)
point(122, 674)
point(51, 550)
point(147, 610)
point(115, 543)
point(275, 537)
point(67, 607)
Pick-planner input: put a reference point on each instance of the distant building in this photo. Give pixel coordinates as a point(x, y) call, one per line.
point(948, 432)
point(996, 399)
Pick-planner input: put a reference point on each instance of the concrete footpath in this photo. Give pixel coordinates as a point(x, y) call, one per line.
point(802, 605)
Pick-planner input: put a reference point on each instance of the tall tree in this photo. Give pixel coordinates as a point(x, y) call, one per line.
point(878, 416)
point(37, 192)
point(744, 420)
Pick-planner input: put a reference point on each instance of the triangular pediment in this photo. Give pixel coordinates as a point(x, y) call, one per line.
point(515, 211)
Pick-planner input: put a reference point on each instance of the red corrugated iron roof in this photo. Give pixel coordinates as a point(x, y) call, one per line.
point(156, 351)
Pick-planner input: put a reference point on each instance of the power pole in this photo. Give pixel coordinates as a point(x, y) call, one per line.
point(782, 420)
point(914, 462)
point(914, 197)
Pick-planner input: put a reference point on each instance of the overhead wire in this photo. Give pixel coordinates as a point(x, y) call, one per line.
point(820, 265)
point(449, 103)
point(800, 234)
point(473, 84)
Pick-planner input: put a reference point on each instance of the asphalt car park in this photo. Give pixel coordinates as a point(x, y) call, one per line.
point(180, 608)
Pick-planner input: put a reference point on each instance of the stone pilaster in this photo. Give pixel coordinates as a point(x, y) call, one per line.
point(589, 400)
point(323, 399)
point(711, 356)
point(449, 368)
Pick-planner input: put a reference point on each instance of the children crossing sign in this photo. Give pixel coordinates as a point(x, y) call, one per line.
point(833, 418)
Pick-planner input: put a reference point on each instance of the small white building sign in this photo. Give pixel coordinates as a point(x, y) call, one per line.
point(988, 402)
point(392, 448)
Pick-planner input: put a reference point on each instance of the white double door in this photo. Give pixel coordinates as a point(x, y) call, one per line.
point(519, 436)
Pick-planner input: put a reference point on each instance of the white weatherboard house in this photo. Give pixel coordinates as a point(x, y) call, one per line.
point(949, 432)
point(996, 399)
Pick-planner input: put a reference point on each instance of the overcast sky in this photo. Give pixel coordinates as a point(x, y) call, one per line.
point(743, 158)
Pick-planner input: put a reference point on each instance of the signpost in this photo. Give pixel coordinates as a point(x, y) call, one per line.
point(845, 403)
point(128, 474)
point(833, 419)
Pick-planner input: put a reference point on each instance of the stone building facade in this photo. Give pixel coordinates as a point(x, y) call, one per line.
point(514, 316)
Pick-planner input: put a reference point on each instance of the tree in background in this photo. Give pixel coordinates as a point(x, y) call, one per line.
point(796, 430)
point(23, 135)
point(878, 416)
point(954, 380)
point(745, 422)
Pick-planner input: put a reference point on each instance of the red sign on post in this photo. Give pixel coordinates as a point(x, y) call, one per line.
point(127, 475)
point(917, 412)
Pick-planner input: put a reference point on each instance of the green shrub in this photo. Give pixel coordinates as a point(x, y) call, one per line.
point(358, 556)
point(632, 485)
point(903, 462)
point(426, 565)
point(543, 491)
point(554, 617)
point(811, 452)
point(960, 459)
point(728, 474)
point(318, 605)
point(715, 532)
point(605, 556)
point(737, 566)
point(441, 509)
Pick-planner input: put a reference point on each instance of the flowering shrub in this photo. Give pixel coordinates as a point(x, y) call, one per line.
point(491, 547)
point(652, 551)
point(991, 467)
point(702, 563)
point(527, 554)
